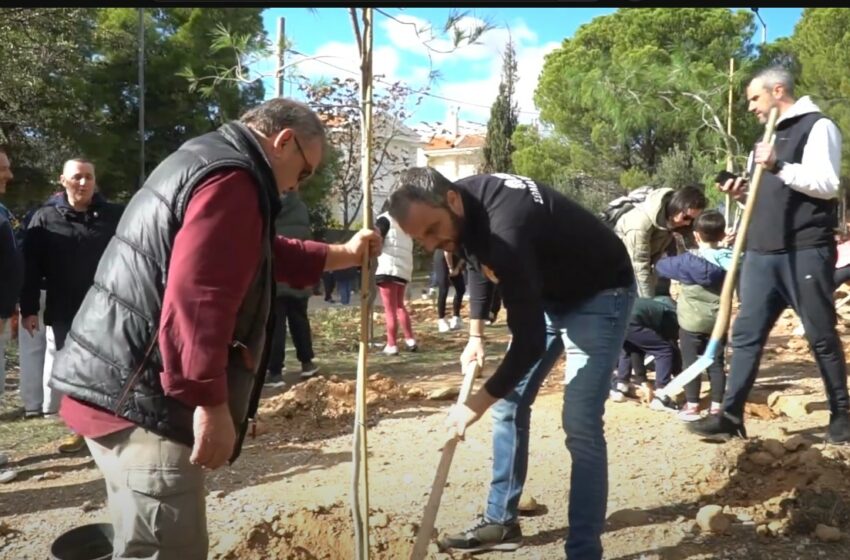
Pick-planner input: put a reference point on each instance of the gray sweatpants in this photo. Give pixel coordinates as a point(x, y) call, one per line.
point(156, 496)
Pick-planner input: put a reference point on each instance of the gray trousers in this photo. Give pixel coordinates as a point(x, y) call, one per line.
point(156, 496)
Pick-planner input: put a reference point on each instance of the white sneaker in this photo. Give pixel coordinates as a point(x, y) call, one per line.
point(456, 323)
point(411, 345)
point(442, 325)
point(8, 475)
point(390, 350)
point(617, 396)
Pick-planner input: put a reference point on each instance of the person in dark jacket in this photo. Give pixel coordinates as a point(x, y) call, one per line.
point(11, 275)
point(11, 269)
point(293, 222)
point(164, 366)
point(64, 242)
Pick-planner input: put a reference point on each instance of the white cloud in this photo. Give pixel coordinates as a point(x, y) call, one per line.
point(342, 60)
point(405, 58)
point(482, 92)
point(417, 36)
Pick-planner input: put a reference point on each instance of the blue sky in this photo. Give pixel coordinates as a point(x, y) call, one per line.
point(469, 76)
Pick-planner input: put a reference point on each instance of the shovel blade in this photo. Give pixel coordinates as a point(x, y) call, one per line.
point(694, 370)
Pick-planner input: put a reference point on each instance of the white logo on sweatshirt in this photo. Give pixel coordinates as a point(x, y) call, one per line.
point(520, 182)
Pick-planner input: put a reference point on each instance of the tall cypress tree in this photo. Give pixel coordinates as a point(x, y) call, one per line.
point(504, 115)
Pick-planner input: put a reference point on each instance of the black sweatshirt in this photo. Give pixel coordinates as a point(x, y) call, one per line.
point(541, 247)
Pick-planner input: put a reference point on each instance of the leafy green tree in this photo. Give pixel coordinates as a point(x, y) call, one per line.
point(821, 49)
point(631, 85)
point(43, 52)
point(176, 39)
point(537, 156)
point(504, 116)
point(70, 88)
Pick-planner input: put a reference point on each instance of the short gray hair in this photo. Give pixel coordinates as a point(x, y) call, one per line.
point(279, 113)
point(776, 75)
point(419, 184)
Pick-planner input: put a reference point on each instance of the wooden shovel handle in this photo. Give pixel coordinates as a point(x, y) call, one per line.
point(423, 537)
point(722, 323)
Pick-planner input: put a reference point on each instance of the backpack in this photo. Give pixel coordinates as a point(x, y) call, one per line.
point(619, 206)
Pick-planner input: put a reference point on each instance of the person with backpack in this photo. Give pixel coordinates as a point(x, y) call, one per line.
point(647, 229)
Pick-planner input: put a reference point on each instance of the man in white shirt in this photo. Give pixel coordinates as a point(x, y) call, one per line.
point(790, 253)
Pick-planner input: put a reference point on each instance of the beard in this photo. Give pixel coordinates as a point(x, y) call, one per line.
point(458, 224)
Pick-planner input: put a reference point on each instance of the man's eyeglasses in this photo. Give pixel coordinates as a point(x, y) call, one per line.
point(308, 169)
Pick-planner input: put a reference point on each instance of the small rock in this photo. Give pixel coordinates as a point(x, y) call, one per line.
point(826, 533)
point(380, 520)
point(774, 447)
point(628, 518)
point(775, 527)
point(409, 530)
point(744, 517)
point(271, 515)
point(217, 494)
point(415, 393)
point(444, 393)
point(712, 519)
point(761, 458)
point(795, 442)
point(810, 457)
point(527, 504)
point(89, 505)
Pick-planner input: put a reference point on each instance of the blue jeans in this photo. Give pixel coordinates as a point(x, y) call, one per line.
point(592, 334)
point(343, 287)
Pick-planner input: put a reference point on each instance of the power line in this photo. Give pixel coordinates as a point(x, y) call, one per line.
point(421, 92)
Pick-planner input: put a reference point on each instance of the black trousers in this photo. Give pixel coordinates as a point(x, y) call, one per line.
point(494, 296)
point(441, 274)
point(841, 276)
point(803, 279)
point(292, 310)
point(642, 341)
point(693, 345)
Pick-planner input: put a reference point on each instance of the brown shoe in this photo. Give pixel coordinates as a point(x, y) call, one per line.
point(72, 444)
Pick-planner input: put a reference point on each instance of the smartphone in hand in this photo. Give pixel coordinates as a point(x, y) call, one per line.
point(724, 176)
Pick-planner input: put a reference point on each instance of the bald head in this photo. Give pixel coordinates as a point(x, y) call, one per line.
point(79, 182)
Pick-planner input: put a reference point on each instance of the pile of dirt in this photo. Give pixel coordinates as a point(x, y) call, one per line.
point(326, 405)
point(781, 488)
point(322, 533)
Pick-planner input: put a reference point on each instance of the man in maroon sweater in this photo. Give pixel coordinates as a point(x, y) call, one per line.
point(153, 469)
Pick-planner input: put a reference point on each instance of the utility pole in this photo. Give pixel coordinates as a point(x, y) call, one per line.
point(141, 97)
point(763, 26)
point(281, 51)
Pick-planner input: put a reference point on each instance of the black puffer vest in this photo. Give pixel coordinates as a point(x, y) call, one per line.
point(111, 358)
point(785, 219)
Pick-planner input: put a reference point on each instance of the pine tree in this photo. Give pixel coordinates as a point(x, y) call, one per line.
point(504, 116)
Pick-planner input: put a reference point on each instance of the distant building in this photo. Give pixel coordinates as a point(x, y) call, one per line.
point(455, 148)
